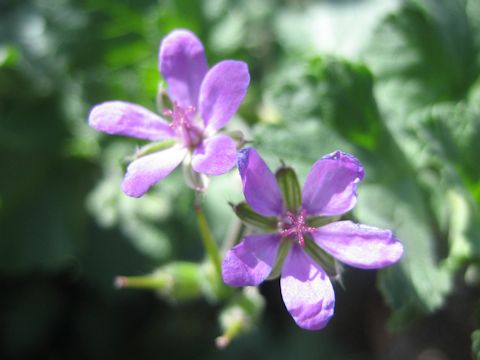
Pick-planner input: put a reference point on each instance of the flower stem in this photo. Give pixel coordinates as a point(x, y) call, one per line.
point(143, 282)
point(234, 233)
point(208, 242)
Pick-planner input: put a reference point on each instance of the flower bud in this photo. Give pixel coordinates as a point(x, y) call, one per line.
point(239, 316)
point(472, 275)
point(178, 281)
point(212, 286)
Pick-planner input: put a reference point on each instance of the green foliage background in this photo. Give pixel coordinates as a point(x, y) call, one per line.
point(394, 82)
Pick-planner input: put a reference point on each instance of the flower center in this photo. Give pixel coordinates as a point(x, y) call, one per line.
point(188, 132)
point(296, 225)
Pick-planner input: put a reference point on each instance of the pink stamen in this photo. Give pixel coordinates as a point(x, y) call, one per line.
point(179, 116)
point(181, 123)
point(296, 225)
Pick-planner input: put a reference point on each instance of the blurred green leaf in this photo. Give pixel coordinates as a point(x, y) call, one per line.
point(138, 219)
point(447, 137)
point(445, 141)
point(333, 27)
point(422, 54)
point(476, 344)
point(9, 55)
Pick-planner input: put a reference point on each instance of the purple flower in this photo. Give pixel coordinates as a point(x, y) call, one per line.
point(329, 190)
point(203, 102)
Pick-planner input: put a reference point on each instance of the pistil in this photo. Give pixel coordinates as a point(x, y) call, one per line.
point(296, 225)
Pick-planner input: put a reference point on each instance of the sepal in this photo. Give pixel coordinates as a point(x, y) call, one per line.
point(318, 221)
point(328, 263)
point(254, 219)
point(288, 182)
point(237, 136)
point(162, 99)
point(154, 147)
point(282, 253)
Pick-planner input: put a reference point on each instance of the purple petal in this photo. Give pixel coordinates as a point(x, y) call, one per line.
point(331, 184)
point(251, 261)
point(259, 184)
point(183, 65)
point(123, 118)
point(150, 169)
point(361, 246)
point(215, 155)
point(222, 92)
point(307, 291)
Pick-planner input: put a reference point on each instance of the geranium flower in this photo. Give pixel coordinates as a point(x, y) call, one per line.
point(329, 190)
point(203, 102)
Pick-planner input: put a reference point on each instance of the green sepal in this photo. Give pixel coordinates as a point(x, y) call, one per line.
point(318, 221)
point(154, 147)
point(146, 150)
point(328, 263)
point(238, 136)
point(163, 101)
point(283, 250)
point(288, 182)
point(251, 218)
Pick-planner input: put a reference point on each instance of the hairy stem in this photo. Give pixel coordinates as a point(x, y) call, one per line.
point(208, 242)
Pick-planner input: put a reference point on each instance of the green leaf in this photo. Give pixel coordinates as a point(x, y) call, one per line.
point(399, 206)
point(448, 137)
point(443, 148)
point(137, 218)
point(9, 55)
point(327, 26)
point(422, 54)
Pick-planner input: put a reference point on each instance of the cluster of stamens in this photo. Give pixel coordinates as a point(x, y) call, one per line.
point(296, 225)
point(183, 125)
